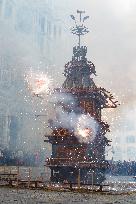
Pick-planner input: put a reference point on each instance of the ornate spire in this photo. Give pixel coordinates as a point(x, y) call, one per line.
point(79, 29)
point(79, 52)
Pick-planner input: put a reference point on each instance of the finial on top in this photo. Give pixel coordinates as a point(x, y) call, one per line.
point(79, 29)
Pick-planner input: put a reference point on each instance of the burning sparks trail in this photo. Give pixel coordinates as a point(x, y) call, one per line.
point(38, 83)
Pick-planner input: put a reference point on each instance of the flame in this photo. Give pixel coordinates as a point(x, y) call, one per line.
point(86, 128)
point(87, 132)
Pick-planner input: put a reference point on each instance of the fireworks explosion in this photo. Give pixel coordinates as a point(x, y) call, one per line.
point(86, 128)
point(87, 132)
point(38, 83)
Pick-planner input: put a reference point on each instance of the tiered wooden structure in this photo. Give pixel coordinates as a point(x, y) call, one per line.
point(71, 158)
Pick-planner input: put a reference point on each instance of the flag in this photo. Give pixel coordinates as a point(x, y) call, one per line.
point(86, 17)
point(73, 17)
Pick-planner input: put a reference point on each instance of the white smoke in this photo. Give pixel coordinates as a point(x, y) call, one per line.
point(64, 99)
point(82, 125)
point(64, 119)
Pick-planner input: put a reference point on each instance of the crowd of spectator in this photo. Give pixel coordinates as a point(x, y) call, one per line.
point(37, 158)
point(122, 168)
point(21, 158)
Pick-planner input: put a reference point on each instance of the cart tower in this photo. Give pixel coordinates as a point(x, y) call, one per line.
point(73, 157)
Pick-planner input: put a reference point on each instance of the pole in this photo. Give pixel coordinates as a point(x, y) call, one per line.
point(78, 179)
point(92, 180)
point(10, 170)
point(79, 40)
point(17, 177)
point(29, 177)
point(80, 16)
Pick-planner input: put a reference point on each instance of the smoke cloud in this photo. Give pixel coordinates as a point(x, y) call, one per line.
point(111, 47)
point(82, 125)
